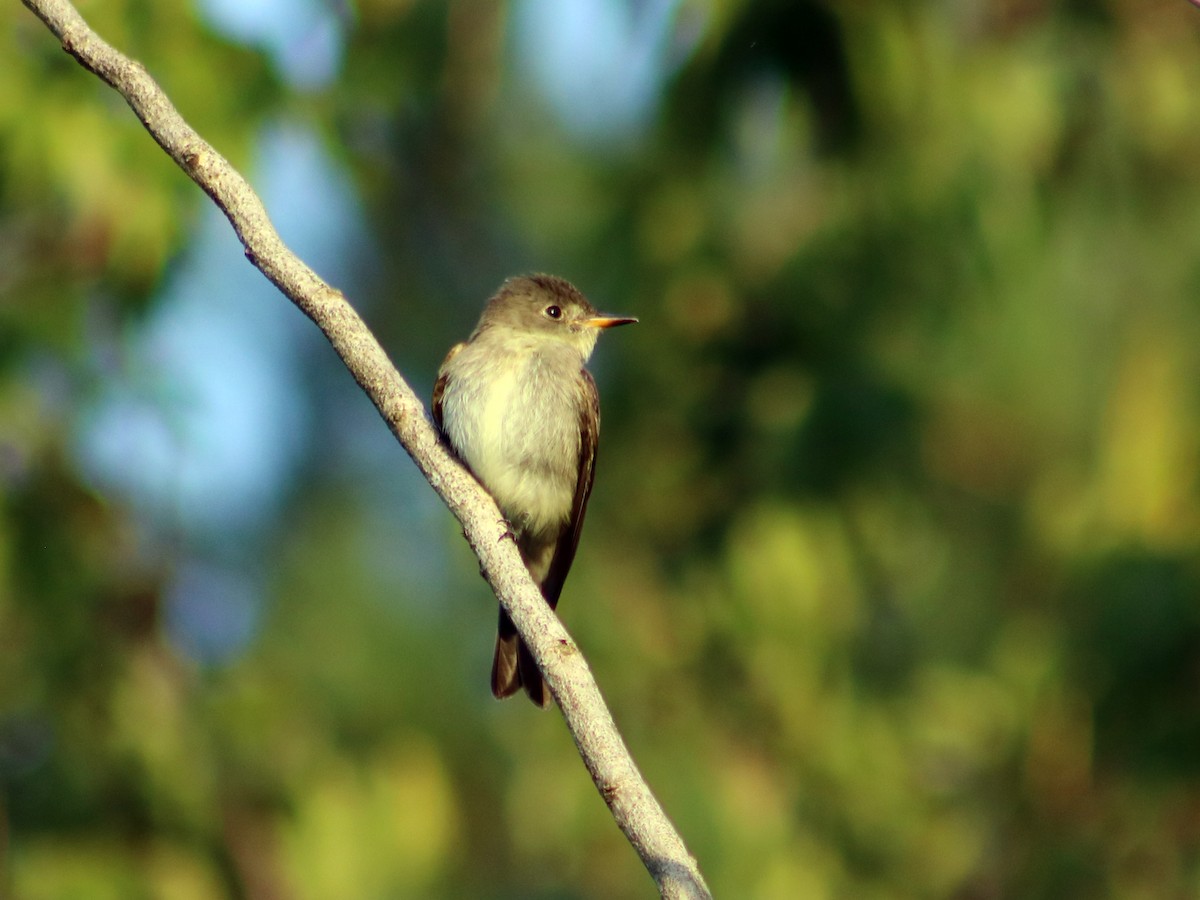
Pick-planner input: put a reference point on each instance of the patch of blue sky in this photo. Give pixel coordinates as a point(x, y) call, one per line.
point(602, 65)
point(212, 612)
point(305, 39)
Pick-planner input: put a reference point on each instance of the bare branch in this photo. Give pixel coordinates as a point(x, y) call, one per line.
point(634, 807)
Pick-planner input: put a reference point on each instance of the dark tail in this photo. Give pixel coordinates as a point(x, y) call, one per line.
point(513, 666)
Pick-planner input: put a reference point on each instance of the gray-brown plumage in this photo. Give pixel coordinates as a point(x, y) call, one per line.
point(517, 406)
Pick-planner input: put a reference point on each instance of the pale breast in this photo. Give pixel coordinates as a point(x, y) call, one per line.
point(516, 424)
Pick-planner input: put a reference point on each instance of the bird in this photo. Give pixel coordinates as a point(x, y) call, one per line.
point(518, 407)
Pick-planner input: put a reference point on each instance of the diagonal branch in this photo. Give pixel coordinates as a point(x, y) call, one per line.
point(636, 810)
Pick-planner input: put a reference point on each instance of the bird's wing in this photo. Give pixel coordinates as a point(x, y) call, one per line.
point(439, 386)
point(589, 438)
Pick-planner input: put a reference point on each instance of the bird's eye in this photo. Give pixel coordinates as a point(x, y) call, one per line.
point(554, 312)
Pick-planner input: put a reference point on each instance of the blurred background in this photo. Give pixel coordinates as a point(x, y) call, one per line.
point(892, 570)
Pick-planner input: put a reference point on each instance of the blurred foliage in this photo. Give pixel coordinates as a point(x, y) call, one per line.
point(891, 574)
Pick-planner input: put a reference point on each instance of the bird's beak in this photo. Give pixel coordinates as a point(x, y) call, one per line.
point(608, 321)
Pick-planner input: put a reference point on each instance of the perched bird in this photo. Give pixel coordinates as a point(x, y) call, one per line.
point(520, 410)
